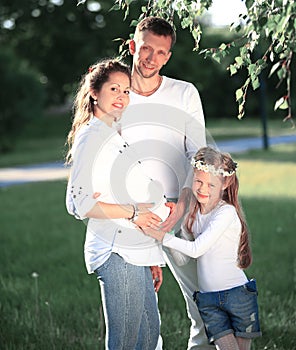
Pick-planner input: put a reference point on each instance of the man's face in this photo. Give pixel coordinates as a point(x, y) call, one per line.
point(150, 53)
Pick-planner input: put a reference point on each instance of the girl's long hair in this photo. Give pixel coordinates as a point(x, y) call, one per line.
point(230, 195)
point(83, 106)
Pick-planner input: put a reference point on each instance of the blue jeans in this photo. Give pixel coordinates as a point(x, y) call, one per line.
point(129, 304)
point(228, 311)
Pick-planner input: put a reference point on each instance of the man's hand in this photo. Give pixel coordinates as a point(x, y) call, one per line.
point(156, 276)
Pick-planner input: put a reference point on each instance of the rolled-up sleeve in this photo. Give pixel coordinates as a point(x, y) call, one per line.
point(79, 197)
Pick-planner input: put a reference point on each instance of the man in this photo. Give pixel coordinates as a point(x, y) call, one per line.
point(158, 100)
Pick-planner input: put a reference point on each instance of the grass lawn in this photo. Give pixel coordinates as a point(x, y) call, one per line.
point(47, 300)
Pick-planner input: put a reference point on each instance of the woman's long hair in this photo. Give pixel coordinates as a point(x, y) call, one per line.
point(83, 106)
point(230, 195)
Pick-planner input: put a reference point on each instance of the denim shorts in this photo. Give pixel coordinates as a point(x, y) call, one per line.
point(233, 310)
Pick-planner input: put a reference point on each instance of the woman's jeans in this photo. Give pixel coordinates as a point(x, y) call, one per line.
point(129, 304)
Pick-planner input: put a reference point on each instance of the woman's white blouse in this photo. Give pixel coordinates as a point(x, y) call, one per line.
point(103, 162)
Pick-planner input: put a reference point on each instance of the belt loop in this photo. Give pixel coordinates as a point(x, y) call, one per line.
point(195, 296)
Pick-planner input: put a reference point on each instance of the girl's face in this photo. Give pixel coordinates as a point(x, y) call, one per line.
point(207, 189)
point(113, 96)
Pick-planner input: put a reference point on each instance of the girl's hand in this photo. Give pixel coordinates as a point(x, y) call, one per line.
point(146, 218)
point(156, 276)
point(176, 213)
point(154, 233)
point(171, 205)
point(177, 210)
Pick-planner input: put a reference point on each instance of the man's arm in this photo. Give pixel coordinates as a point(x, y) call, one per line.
point(156, 277)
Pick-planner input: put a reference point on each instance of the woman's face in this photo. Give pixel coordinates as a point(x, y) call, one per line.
point(207, 189)
point(113, 96)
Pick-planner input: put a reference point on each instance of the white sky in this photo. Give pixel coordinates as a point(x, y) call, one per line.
point(225, 12)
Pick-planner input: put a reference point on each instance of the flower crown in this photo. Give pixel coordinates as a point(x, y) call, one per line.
point(209, 168)
point(91, 69)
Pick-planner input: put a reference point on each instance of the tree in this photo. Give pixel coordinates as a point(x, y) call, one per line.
point(21, 99)
point(59, 39)
point(269, 24)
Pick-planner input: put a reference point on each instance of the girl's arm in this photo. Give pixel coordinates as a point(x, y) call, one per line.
point(182, 259)
point(178, 210)
point(214, 230)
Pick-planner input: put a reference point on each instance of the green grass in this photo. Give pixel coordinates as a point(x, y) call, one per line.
point(60, 309)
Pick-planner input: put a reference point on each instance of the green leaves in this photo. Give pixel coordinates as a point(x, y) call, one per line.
point(281, 103)
point(239, 61)
point(239, 94)
point(233, 69)
point(254, 71)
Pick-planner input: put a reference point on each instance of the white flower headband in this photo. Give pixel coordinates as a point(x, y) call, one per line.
point(209, 168)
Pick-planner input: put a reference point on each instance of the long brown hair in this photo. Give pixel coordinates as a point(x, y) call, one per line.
point(83, 106)
point(224, 161)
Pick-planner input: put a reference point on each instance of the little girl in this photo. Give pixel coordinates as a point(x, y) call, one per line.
point(215, 232)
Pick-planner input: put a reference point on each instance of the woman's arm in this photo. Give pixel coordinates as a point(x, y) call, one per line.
point(144, 218)
point(87, 161)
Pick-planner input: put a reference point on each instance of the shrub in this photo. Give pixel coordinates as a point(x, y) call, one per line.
point(22, 97)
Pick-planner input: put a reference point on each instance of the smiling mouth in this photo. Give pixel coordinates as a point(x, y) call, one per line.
point(148, 66)
point(118, 105)
point(202, 195)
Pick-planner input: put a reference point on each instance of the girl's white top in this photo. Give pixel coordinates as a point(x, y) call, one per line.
point(103, 162)
point(215, 245)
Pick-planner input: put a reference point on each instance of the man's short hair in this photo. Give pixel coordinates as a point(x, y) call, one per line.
point(157, 26)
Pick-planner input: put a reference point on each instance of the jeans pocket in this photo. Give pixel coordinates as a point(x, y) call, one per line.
point(251, 287)
point(98, 271)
